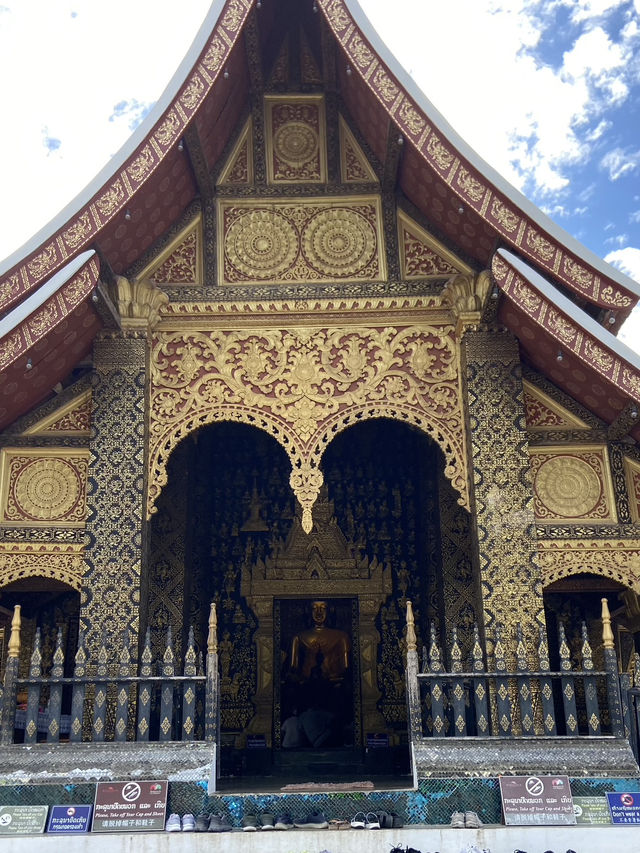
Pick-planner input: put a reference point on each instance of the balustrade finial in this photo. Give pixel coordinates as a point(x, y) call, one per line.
point(607, 633)
point(14, 639)
point(411, 629)
point(212, 639)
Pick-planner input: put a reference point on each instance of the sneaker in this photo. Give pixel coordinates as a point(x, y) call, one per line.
point(283, 821)
point(312, 821)
point(267, 821)
point(219, 823)
point(358, 820)
point(457, 820)
point(202, 822)
point(372, 821)
point(249, 823)
point(472, 821)
point(188, 823)
point(173, 824)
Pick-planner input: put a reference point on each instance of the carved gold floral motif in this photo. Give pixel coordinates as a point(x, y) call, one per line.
point(440, 154)
point(561, 327)
point(43, 262)
point(63, 563)
point(471, 187)
point(336, 14)
point(109, 201)
point(601, 358)
point(420, 261)
point(192, 93)
point(169, 128)
point(315, 240)
point(631, 380)
point(182, 264)
point(142, 164)
point(385, 86)
point(9, 288)
point(78, 231)
point(571, 485)
point(360, 52)
point(507, 218)
point(616, 559)
point(233, 16)
point(412, 119)
point(303, 386)
point(295, 140)
point(215, 54)
point(538, 244)
point(578, 274)
point(44, 488)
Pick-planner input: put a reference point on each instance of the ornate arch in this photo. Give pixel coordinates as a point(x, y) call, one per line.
point(615, 559)
point(63, 564)
point(303, 386)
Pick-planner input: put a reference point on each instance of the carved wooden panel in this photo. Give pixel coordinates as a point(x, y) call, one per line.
point(572, 483)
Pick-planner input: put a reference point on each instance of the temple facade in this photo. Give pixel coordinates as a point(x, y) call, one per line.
point(302, 354)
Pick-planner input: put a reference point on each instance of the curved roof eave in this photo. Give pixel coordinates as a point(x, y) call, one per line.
point(115, 163)
point(530, 210)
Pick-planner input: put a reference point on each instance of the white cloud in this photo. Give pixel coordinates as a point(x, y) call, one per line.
point(619, 162)
point(627, 260)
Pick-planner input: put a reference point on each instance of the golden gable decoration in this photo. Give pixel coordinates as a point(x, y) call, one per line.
point(312, 240)
point(181, 261)
point(239, 167)
point(295, 139)
point(544, 413)
point(44, 487)
point(573, 483)
point(422, 256)
point(632, 475)
point(74, 418)
point(354, 166)
point(618, 559)
point(63, 562)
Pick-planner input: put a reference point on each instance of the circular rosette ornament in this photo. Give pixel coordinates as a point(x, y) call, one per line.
point(261, 244)
point(339, 242)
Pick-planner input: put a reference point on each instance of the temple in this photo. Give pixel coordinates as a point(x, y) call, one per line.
point(302, 401)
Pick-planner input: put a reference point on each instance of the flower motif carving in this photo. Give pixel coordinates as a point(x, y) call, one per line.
point(304, 386)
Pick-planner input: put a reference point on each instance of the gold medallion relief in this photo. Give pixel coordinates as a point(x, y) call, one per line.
point(44, 489)
point(572, 485)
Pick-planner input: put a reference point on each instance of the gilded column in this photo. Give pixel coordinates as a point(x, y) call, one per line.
point(110, 598)
point(502, 493)
point(510, 577)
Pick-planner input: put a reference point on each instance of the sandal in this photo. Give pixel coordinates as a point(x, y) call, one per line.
point(372, 821)
point(359, 820)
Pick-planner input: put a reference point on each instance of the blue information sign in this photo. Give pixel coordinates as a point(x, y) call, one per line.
point(69, 819)
point(624, 807)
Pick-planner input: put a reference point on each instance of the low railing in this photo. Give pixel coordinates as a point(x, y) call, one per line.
point(119, 701)
point(513, 702)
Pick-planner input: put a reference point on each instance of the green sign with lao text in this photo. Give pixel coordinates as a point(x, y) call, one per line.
point(23, 820)
point(591, 811)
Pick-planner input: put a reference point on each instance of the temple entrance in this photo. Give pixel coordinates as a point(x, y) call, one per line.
point(310, 626)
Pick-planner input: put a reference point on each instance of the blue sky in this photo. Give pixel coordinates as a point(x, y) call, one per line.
point(547, 91)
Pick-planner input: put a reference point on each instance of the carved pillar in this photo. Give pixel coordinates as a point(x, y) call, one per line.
point(110, 596)
point(510, 576)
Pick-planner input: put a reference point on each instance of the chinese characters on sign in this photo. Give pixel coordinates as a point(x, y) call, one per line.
point(537, 801)
point(129, 806)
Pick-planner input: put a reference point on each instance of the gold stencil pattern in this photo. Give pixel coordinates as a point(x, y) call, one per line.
point(543, 413)
point(632, 475)
point(63, 563)
point(616, 559)
point(572, 484)
point(298, 242)
point(296, 147)
point(44, 488)
point(303, 386)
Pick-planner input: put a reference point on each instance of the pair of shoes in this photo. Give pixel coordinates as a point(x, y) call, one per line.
point(283, 821)
point(358, 820)
point(267, 822)
point(174, 823)
point(372, 822)
point(249, 823)
point(457, 820)
point(312, 821)
point(202, 822)
point(472, 821)
point(396, 820)
point(385, 819)
point(219, 823)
